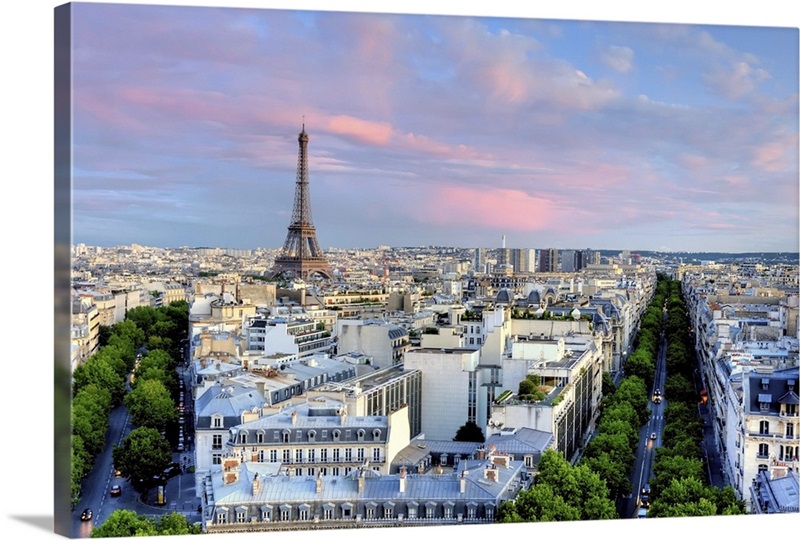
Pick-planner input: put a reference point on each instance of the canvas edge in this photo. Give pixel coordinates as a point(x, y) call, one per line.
point(62, 387)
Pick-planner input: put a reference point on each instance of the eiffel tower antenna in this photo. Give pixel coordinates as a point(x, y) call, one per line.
point(301, 255)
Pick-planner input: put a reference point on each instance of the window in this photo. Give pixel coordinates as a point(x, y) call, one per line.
point(298, 455)
point(273, 456)
point(376, 435)
point(348, 454)
point(448, 512)
point(324, 433)
point(241, 517)
point(336, 455)
point(261, 456)
point(789, 431)
point(286, 435)
point(216, 442)
point(336, 434)
point(360, 435)
point(312, 455)
point(388, 512)
point(287, 456)
point(376, 454)
point(217, 422)
point(361, 454)
point(285, 514)
point(471, 512)
point(312, 436)
point(222, 518)
point(266, 515)
point(242, 438)
point(335, 471)
point(216, 459)
point(430, 511)
point(260, 437)
point(328, 513)
point(529, 461)
point(304, 514)
point(370, 512)
point(412, 512)
point(763, 450)
point(490, 512)
point(763, 427)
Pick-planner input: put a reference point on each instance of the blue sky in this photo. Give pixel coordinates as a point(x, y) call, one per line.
point(431, 129)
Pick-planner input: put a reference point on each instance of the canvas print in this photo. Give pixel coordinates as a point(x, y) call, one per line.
point(339, 271)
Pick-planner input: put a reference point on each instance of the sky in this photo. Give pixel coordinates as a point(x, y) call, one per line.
point(432, 130)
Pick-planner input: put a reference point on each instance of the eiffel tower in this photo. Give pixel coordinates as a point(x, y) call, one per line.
point(301, 255)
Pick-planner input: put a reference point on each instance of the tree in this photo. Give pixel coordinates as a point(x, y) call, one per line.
point(174, 524)
point(608, 384)
point(150, 405)
point(144, 453)
point(125, 523)
point(469, 432)
point(539, 503)
point(97, 371)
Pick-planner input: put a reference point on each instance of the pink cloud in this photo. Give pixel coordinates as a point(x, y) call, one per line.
point(776, 155)
point(509, 209)
point(377, 133)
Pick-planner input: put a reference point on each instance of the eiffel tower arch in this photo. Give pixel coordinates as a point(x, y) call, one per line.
point(301, 255)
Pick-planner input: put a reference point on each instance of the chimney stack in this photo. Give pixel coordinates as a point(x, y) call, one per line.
point(319, 482)
point(256, 484)
point(361, 481)
point(462, 482)
point(402, 479)
point(294, 418)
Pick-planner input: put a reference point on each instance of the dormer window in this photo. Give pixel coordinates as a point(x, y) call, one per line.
point(216, 422)
point(336, 434)
point(312, 435)
point(764, 401)
point(376, 435)
point(765, 384)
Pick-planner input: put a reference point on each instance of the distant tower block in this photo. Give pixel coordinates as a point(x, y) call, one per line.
point(301, 255)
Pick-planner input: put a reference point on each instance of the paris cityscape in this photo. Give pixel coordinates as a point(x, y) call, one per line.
point(500, 328)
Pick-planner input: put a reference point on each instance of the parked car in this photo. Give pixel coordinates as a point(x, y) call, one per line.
point(86, 515)
point(115, 490)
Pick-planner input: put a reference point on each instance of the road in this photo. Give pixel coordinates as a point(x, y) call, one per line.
point(179, 490)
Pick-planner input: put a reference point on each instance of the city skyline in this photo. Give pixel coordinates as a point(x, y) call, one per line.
point(432, 130)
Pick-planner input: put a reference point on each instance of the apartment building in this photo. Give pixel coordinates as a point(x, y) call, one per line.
point(453, 389)
point(378, 393)
point(255, 496)
point(570, 370)
point(385, 342)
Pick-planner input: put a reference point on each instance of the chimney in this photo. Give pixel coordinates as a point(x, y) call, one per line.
point(361, 481)
point(256, 484)
point(402, 479)
point(294, 417)
point(462, 487)
point(319, 482)
point(342, 415)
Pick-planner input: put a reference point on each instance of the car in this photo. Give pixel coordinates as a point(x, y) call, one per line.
point(653, 435)
point(657, 392)
point(117, 473)
point(641, 513)
point(645, 500)
point(180, 447)
point(86, 515)
point(657, 400)
point(646, 489)
point(174, 469)
point(115, 490)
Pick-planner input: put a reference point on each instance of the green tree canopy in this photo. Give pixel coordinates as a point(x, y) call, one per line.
point(150, 405)
point(123, 523)
point(143, 454)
